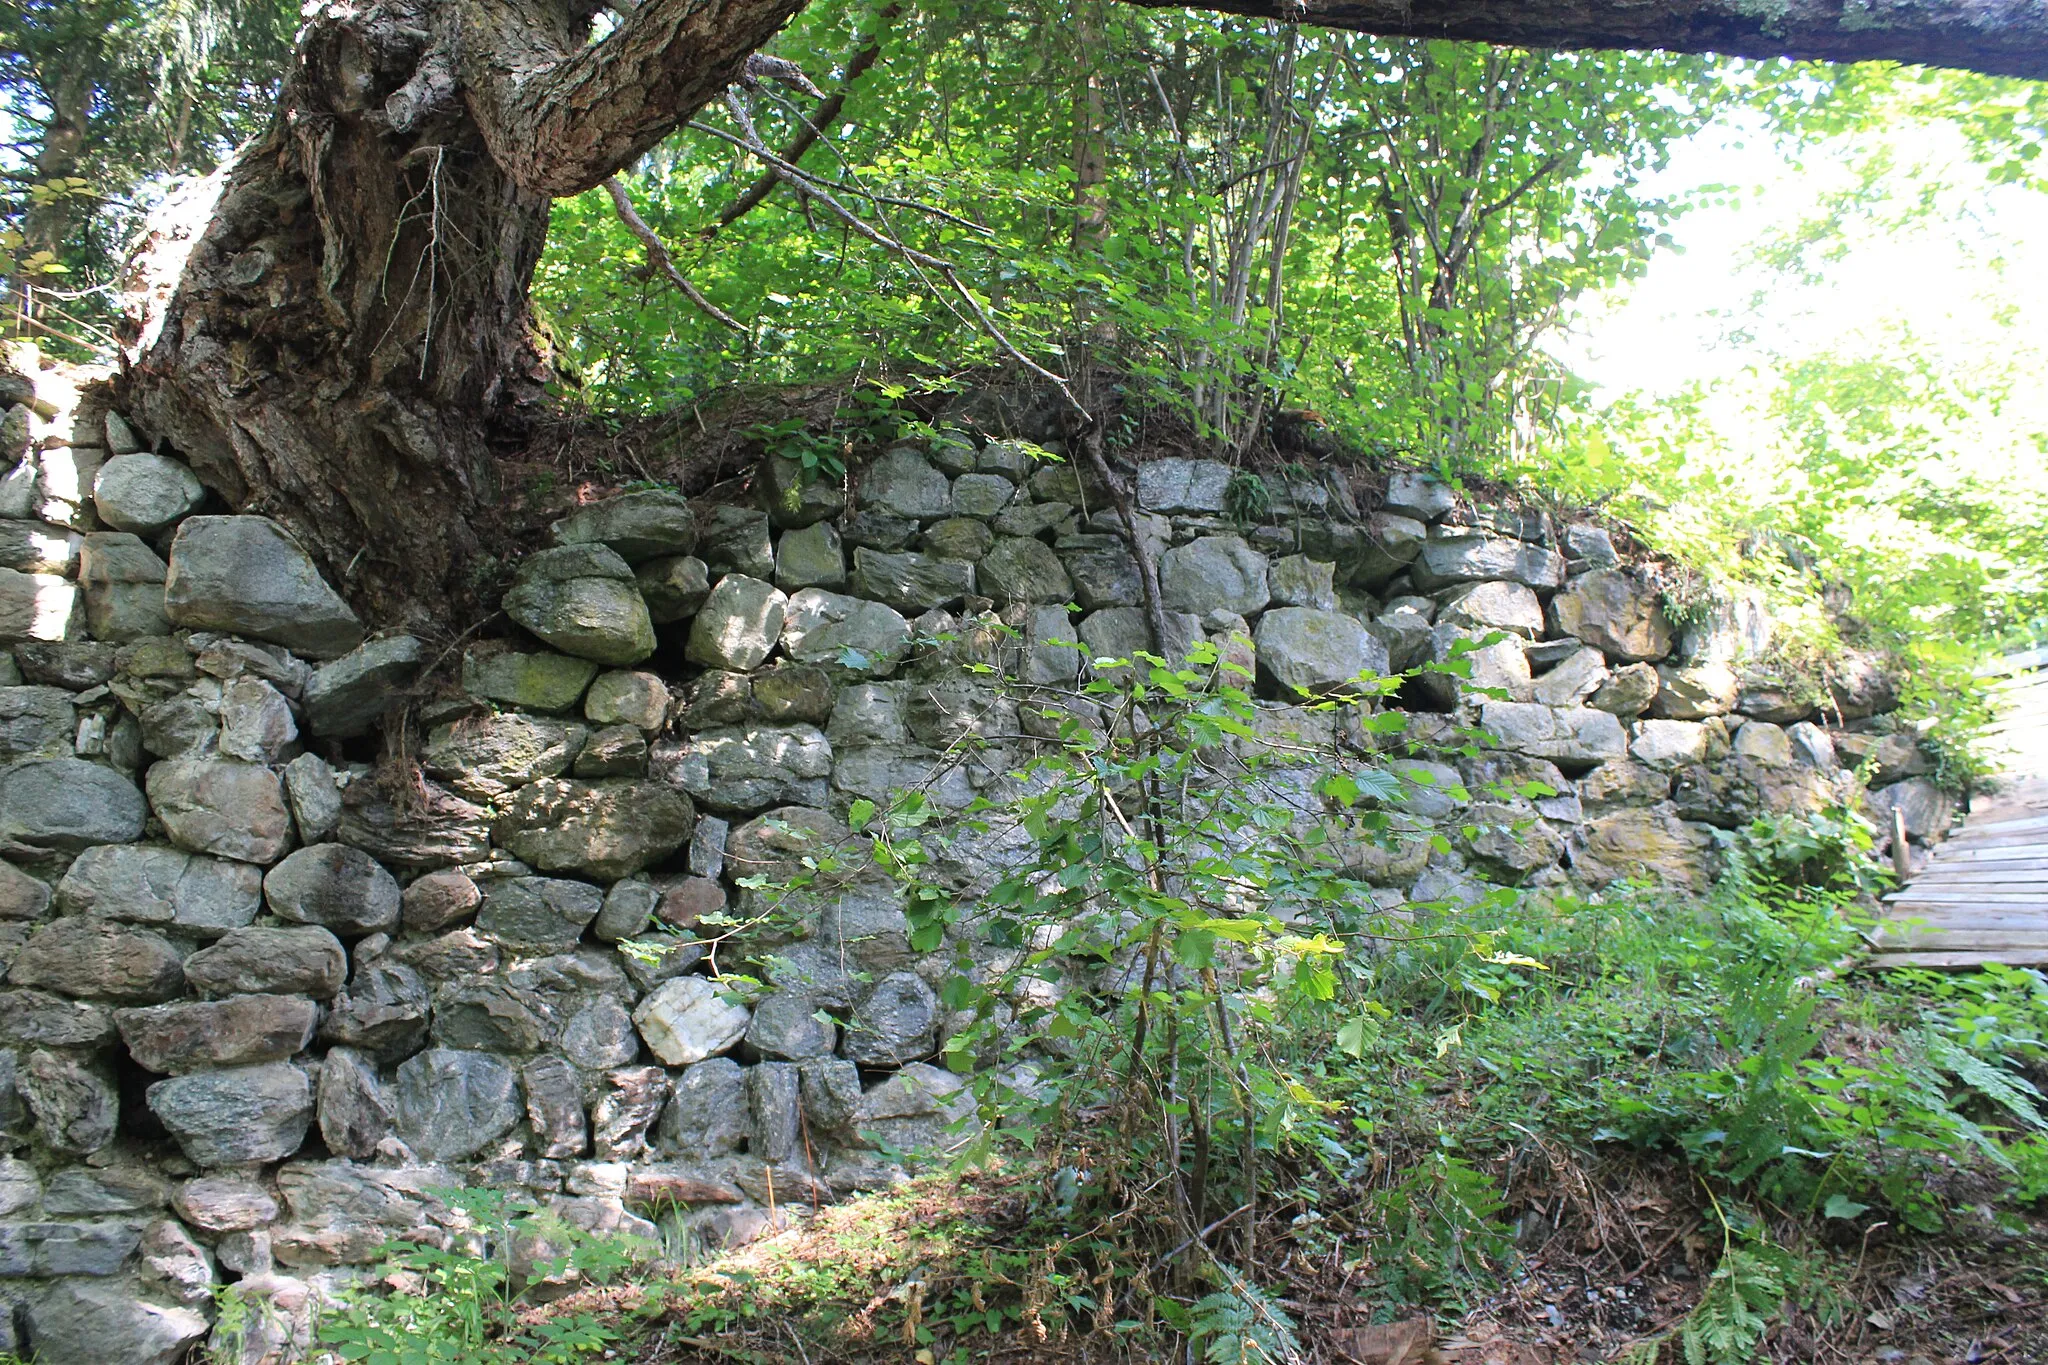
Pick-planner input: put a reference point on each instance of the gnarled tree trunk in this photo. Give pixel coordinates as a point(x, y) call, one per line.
point(335, 330)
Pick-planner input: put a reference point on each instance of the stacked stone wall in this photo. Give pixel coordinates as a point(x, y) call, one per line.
point(259, 1006)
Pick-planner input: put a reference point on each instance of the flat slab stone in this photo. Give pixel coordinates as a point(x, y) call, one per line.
point(248, 576)
point(238, 1116)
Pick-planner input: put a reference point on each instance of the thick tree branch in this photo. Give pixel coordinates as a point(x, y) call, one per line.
point(559, 116)
point(1999, 37)
point(658, 256)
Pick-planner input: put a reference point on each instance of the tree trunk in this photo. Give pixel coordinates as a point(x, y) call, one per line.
point(336, 331)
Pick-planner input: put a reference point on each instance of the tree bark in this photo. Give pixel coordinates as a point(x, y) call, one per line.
point(1997, 37)
point(336, 332)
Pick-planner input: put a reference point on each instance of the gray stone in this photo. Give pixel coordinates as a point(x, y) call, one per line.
point(84, 1192)
point(831, 1095)
point(1102, 570)
point(1389, 545)
point(1303, 649)
point(773, 1108)
point(795, 693)
point(39, 606)
point(120, 436)
point(217, 1204)
point(345, 699)
point(76, 1102)
point(19, 494)
point(315, 796)
point(483, 757)
point(150, 884)
point(600, 1036)
point(1298, 581)
point(38, 1019)
point(1421, 496)
point(688, 1019)
point(1508, 841)
point(74, 665)
point(247, 575)
point(631, 1101)
point(36, 722)
point(1500, 666)
point(22, 897)
point(736, 540)
point(1694, 691)
point(492, 1016)
point(236, 1117)
point(915, 1109)
point(454, 1104)
point(538, 914)
point(911, 583)
point(440, 830)
point(878, 530)
point(622, 698)
point(961, 538)
point(604, 830)
point(794, 496)
point(1669, 744)
point(1624, 782)
point(99, 959)
point(1214, 573)
point(1573, 679)
point(583, 600)
point(1178, 486)
point(1562, 734)
point(121, 582)
point(981, 495)
point(256, 724)
point(20, 1188)
point(1125, 632)
point(64, 485)
point(1034, 519)
point(786, 1027)
point(1406, 633)
point(897, 1022)
point(1643, 845)
point(1614, 611)
point(539, 682)
point(673, 588)
point(105, 1321)
point(241, 1030)
point(1628, 692)
point(707, 1115)
point(233, 810)
point(297, 961)
point(336, 887)
point(628, 910)
point(384, 1012)
point(145, 493)
point(438, 901)
point(1811, 745)
point(738, 624)
point(1589, 547)
point(1494, 605)
point(902, 483)
point(1928, 809)
point(810, 557)
point(554, 1107)
point(1764, 742)
point(833, 630)
point(1466, 558)
point(1023, 571)
point(735, 769)
point(649, 524)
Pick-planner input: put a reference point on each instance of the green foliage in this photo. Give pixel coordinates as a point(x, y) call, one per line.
point(1444, 1232)
point(467, 1305)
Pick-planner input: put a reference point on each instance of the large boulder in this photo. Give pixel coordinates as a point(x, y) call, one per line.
point(36, 722)
point(238, 1116)
point(911, 583)
point(1470, 557)
point(534, 682)
point(1495, 605)
point(483, 757)
point(99, 960)
point(896, 1022)
point(1214, 573)
point(813, 557)
point(1570, 736)
point(740, 769)
point(1103, 571)
point(151, 884)
point(836, 631)
point(339, 888)
point(1178, 486)
point(1021, 570)
point(453, 1104)
point(738, 624)
point(218, 806)
point(247, 575)
point(300, 960)
point(31, 547)
point(345, 699)
point(902, 483)
point(122, 583)
point(145, 493)
point(1411, 493)
point(604, 830)
point(689, 1019)
point(1302, 649)
point(583, 600)
point(241, 1030)
point(649, 524)
point(673, 587)
point(795, 496)
point(107, 1322)
point(1694, 691)
point(1643, 844)
point(1615, 611)
point(39, 606)
point(538, 914)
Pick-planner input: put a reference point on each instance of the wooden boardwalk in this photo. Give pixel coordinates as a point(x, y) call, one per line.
point(1982, 896)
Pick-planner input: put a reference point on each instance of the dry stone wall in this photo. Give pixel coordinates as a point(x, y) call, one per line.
point(257, 1010)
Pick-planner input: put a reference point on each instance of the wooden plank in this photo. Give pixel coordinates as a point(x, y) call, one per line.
point(2025, 824)
point(2032, 900)
point(1993, 940)
point(1956, 855)
point(1954, 961)
point(1990, 886)
point(1965, 910)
